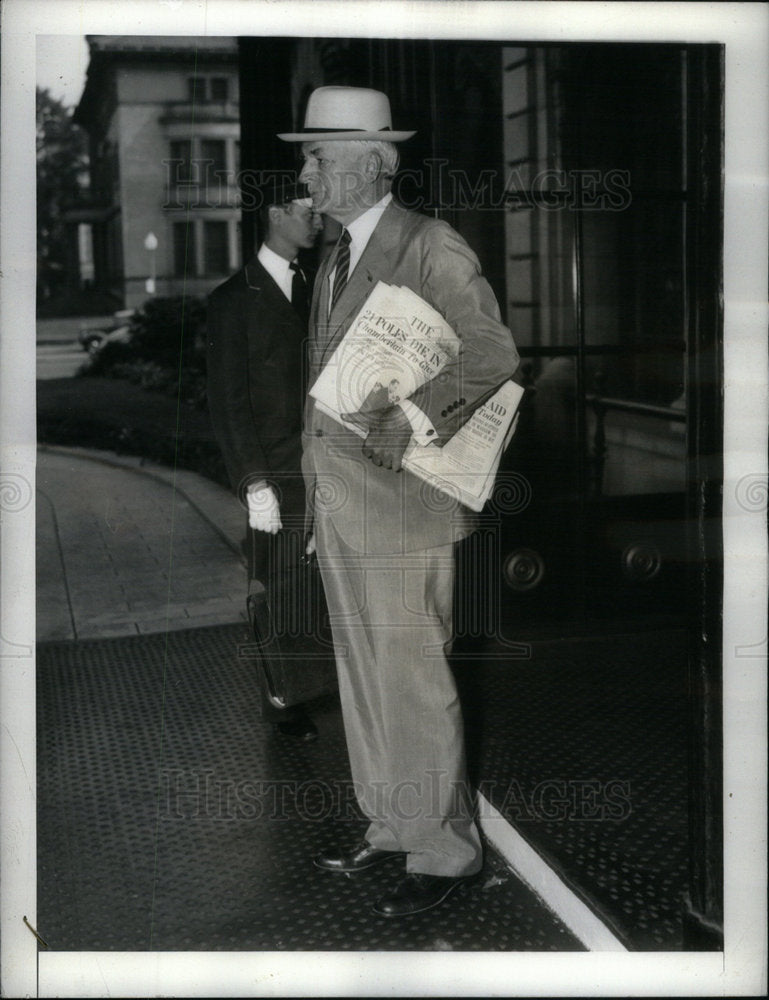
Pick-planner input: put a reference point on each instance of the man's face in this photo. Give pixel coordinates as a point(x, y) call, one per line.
point(300, 224)
point(333, 171)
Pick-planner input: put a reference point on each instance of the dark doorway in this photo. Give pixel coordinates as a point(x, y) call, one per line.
point(587, 178)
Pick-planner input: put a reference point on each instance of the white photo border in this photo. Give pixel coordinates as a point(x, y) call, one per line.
point(741, 969)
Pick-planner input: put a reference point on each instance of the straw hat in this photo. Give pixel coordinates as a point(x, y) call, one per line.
point(347, 113)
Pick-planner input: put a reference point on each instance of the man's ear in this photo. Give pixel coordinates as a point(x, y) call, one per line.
point(275, 213)
point(372, 168)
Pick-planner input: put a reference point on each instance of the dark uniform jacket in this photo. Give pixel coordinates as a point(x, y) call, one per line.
point(256, 349)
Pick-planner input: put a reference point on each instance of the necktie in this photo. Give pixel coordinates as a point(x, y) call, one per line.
point(299, 291)
point(342, 267)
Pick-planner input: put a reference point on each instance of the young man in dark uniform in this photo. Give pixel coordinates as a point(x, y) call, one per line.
point(256, 343)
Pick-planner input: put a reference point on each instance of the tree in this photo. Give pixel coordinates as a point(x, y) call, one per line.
point(62, 177)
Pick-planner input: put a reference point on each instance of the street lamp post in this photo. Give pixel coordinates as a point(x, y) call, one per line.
point(151, 245)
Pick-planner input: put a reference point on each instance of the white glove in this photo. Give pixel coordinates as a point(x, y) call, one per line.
point(263, 509)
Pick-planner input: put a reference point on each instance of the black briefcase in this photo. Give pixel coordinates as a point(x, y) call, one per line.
point(289, 622)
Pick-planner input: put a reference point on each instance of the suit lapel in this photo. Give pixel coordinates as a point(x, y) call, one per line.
point(319, 306)
point(373, 266)
point(257, 276)
point(264, 288)
point(372, 262)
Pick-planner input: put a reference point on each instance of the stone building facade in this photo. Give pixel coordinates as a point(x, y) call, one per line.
point(162, 115)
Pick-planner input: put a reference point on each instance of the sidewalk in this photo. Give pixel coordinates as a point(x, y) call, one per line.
point(125, 547)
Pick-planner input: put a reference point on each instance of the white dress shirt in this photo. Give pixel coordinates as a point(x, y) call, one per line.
point(278, 269)
point(360, 232)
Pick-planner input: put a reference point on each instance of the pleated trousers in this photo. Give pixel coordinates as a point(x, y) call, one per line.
point(391, 619)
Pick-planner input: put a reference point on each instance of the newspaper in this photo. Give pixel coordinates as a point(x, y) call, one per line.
point(395, 344)
point(466, 466)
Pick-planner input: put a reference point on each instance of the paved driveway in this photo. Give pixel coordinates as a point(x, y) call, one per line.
point(121, 552)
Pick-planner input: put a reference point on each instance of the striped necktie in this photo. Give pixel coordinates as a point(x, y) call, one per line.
point(342, 268)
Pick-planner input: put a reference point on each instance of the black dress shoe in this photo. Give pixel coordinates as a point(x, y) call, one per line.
point(299, 727)
point(417, 892)
point(363, 855)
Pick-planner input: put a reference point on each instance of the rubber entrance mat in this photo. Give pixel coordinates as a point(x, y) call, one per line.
point(170, 817)
point(582, 746)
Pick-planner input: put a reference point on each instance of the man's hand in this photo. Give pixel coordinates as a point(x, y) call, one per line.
point(263, 509)
point(388, 438)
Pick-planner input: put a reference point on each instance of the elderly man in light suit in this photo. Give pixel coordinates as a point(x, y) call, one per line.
point(385, 542)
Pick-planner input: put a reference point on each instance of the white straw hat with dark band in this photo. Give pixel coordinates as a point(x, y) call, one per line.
point(347, 113)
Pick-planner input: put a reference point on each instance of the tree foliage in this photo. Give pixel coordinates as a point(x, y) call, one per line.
point(62, 176)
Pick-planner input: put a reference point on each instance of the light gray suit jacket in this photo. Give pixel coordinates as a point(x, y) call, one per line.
point(376, 510)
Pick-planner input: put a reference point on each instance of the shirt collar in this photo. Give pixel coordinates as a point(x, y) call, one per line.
point(275, 265)
point(361, 229)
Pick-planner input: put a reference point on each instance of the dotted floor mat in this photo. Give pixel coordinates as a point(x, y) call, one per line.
point(582, 746)
point(171, 817)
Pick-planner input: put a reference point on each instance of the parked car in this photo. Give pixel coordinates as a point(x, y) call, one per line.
point(92, 339)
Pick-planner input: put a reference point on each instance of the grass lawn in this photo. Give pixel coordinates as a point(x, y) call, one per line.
point(119, 416)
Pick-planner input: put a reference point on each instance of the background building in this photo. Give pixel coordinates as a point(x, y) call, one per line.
point(162, 117)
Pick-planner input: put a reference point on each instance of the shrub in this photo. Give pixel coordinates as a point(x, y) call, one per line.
point(166, 351)
point(170, 330)
point(109, 359)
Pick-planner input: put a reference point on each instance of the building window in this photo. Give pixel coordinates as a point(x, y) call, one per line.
point(216, 254)
point(213, 155)
point(204, 88)
point(181, 161)
point(184, 250)
point(219, 88)
point(196, 88)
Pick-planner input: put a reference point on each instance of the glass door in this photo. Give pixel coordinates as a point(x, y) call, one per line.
point(594, 146)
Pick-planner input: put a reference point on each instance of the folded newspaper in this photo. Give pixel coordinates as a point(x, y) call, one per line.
point(466, 466)
point(396, 344)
